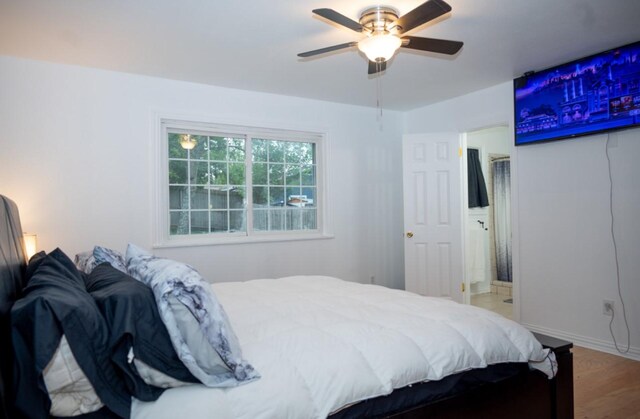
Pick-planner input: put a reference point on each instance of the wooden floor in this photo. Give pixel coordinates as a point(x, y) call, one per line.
point(605, 386)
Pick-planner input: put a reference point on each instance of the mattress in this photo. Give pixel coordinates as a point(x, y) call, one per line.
point(322, 344)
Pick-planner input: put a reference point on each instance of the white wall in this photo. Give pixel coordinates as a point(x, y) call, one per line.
point(563, 255)
point(76, 156)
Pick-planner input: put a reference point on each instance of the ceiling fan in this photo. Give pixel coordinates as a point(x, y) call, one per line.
point(384, 31)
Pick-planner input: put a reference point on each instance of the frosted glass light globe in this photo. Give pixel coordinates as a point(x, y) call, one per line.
point(380, 48)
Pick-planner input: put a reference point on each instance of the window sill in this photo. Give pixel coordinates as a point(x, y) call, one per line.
point(258, 238)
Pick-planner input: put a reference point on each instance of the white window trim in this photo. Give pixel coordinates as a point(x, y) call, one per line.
point(161, 237)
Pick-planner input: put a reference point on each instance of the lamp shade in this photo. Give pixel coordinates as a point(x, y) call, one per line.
point(380, 48)
point(30, 244)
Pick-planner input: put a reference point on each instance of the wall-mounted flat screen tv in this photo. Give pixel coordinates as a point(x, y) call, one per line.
point(593, 94)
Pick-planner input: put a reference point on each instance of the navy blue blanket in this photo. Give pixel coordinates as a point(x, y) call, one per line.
point(130, 310)
point(54, 303)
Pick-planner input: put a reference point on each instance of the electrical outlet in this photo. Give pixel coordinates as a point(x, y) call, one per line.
point(607, 307)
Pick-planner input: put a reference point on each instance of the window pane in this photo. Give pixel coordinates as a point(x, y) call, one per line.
point(237, 221)
point(260, 220)
point(276, 151)
point(179, 222)
point(307, 153)
point(217, 148)
point(237, 198)
point(276, 219)
point(292, 191)
point(309, 219)
point(294, 219)
point(199, 222)
point(295, 198)
point(293, 174)
point(200, 151)
point(218, 173)
point(310, 194)
point(199, 198)
point(260, 174)
point(236, 173)
point(259, 150)
point(177, 171)
point(308, 175)
point(236, 149)
point(276, 174)
point(218, 198)
point(175, 149)
point(178, 197)
point(293, 151)
point(260, 196)
point(219, 221)
point(276, 197)
point(199, 173)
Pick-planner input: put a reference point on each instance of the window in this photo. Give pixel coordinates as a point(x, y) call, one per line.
point(223, 183)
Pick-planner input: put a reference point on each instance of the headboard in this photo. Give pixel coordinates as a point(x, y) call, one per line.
point(12, 268)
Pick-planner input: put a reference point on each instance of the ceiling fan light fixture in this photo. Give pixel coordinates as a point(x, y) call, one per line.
point(187, 142)
point(380, 47)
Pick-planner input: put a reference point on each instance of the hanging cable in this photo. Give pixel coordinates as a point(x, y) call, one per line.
point(615, 252)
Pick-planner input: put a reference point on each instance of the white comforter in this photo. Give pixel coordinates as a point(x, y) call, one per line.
point(321, 344)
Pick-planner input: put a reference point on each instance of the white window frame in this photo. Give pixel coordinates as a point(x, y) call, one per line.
point(162, 238)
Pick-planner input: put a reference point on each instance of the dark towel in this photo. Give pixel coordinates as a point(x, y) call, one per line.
point(477, 188)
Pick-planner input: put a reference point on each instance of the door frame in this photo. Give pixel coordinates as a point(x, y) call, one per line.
point(515, 230)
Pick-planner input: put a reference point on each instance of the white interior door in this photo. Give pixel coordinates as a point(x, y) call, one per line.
point(432, 167)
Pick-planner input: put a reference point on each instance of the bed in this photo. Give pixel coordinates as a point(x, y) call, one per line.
point(329, 348)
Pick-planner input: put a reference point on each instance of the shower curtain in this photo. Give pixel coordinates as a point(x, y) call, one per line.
point(502, 217)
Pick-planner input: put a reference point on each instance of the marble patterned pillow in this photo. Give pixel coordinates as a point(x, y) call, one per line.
point(113, 257)
point(174, 282)
point(85, 262)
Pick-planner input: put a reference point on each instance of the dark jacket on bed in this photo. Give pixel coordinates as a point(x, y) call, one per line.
point(54, 303)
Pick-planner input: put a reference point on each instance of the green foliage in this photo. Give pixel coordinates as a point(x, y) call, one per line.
point(177, 172)
point(276, 174)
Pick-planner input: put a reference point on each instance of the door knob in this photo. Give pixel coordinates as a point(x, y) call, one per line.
point(409, 234)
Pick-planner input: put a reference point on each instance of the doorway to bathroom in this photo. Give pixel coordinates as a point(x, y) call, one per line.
point(488, 220)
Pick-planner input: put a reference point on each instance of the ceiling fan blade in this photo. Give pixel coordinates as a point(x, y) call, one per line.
point(327, 49)
point(441, 46)
point(422, 14)
point(338, 18)
point(377, 67)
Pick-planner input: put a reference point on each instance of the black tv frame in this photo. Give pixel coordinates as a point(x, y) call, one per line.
point(574, 135)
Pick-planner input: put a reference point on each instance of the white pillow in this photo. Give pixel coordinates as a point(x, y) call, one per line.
point(69, 389)
point(152, 376)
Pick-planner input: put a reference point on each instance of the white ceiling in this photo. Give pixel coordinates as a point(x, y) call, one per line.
point(252, 44)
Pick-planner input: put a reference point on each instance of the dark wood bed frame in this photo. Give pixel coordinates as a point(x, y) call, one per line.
point(527, 395)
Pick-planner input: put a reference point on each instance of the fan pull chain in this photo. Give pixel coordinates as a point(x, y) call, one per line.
point(379, 92)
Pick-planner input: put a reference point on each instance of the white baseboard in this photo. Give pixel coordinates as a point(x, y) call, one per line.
point(586, 342)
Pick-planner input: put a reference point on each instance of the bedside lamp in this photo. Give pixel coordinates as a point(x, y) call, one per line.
point(30, 244)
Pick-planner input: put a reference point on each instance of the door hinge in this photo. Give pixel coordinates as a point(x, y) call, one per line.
point(460, 151)
point(462, 286)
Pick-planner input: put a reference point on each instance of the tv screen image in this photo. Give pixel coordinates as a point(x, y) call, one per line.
point(593, 94)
